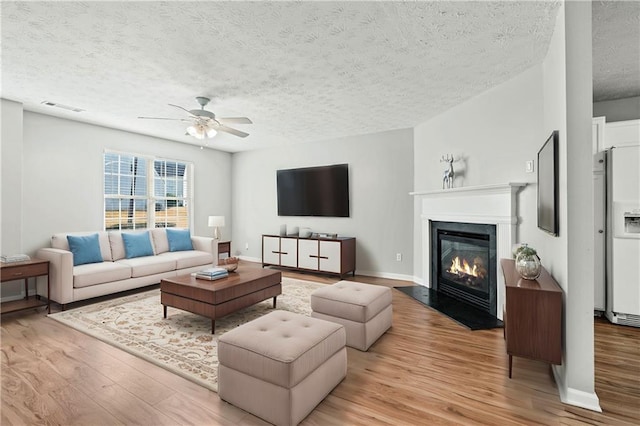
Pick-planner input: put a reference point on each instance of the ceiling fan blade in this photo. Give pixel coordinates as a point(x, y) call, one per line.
point(235, 120)
point(164, 118)
point(184, 109)
point(232, 131)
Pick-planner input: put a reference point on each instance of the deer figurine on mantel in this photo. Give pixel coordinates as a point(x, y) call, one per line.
point(447, 177)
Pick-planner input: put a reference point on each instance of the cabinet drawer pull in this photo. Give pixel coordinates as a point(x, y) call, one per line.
point(275, 252)
point(323, 257)
point(17, 274)
point(313, 255)
point(284, 252)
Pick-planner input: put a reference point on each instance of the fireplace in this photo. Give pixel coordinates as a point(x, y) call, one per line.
point(464, 263)
point(495, 205)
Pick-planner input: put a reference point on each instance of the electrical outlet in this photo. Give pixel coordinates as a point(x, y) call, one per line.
point(246, 246)
point(528, 166)
point(398, 257)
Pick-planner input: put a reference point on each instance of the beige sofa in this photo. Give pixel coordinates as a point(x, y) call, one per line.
point(116, 273)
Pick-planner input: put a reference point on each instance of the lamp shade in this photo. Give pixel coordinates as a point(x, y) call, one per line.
point(196, 131)
point(216, 221)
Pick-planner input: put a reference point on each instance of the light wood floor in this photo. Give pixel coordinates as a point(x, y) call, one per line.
point(425, 370)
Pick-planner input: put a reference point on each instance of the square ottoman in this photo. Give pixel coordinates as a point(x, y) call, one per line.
point(280, 366)
point(364, 310)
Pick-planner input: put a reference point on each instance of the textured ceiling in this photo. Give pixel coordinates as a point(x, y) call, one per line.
point(302, 71)
point(616, 49)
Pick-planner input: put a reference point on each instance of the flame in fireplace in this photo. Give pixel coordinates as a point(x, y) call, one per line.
point(458, 267)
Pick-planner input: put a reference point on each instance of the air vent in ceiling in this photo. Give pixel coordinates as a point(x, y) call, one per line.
point(67, 107)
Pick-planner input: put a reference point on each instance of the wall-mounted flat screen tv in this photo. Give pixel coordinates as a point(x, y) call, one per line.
point(548, 217)
point(314, 191)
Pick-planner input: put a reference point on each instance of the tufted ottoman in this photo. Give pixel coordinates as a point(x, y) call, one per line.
point(364, 310)
point(281, 365)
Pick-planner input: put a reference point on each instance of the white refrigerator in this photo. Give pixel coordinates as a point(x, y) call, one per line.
point(600, 240)
point(623, 235)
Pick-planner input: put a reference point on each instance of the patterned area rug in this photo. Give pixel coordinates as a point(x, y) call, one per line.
point(183, 342)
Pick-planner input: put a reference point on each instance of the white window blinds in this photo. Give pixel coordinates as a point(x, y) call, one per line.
point(133, 184)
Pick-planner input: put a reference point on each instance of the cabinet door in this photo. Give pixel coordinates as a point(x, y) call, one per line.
point(271, 250)
point(330, 256)
point(308, 254)
point(289, 252)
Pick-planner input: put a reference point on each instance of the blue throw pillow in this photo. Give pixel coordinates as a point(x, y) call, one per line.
point(179, 239)
point(85, 249)
point(137, 245)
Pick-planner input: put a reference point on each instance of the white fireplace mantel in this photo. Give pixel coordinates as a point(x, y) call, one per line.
point(481, 189)
point(488, 204)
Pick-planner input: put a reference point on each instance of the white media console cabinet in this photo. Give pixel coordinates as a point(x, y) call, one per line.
point(324, 255)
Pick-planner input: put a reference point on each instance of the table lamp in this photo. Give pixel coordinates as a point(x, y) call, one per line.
point(215, 222)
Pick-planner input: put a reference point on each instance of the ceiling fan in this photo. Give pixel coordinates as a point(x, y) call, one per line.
point(205, 124)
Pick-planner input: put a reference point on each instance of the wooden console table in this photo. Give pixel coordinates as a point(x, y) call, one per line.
point(326, 255)
point(23, 271)
point(533, 316)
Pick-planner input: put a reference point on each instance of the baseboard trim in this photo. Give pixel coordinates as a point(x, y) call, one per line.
point(389, 275)
point(250, 259)
point(588, 400)
point(14, 297)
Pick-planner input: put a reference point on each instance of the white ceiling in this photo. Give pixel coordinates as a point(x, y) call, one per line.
point(302, 71)
point(616, 49)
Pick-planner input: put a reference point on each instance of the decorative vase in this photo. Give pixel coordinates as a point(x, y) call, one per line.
point(528, 263)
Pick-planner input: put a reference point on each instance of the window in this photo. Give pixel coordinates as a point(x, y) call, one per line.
point(134, 183)
point(171, 189)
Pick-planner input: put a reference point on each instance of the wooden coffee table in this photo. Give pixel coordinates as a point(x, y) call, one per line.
point(215, 299)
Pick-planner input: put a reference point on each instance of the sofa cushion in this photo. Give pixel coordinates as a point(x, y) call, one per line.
point(179, 239)
point(117, 243)
point(137, 244)
point(85, 249)
point(98, 273)
point(159, 239)
point(148, 265)
point(189, 259)
point(59, 241)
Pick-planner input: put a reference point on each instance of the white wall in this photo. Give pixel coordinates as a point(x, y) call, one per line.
point(380, 179)
point(577, 377)
point(567, 87)
point(11, 182)
point(493, 135)
point(618, 109)
point(553, 250)
point(62, 176)
point(10, 175)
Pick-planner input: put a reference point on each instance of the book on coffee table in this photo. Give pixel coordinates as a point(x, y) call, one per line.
point(210, 278)
point(211, 274)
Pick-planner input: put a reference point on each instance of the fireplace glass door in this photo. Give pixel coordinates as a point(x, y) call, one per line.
point(464, 269)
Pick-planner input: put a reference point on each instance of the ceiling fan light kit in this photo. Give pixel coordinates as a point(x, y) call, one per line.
point(204, 124)
point(200, 131)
